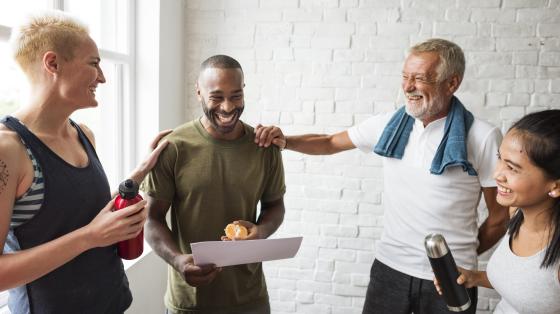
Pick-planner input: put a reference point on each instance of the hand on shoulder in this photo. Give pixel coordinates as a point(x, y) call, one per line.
point(157, 145)
point(267, 135)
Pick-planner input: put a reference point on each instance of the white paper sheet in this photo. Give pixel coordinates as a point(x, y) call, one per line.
point(226, 253)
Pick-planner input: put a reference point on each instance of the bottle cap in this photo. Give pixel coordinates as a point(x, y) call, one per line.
point(435, 245)
point(128, 189)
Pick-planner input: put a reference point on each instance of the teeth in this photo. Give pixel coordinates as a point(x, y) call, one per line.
point(505, 190)
point(225, 118)
point(413, 96)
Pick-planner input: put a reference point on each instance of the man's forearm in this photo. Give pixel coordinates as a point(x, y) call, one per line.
point(489, 234)
point(271, 218)
point(492, 230)
point(311, 144)
point(161, 240)
point(319, 144)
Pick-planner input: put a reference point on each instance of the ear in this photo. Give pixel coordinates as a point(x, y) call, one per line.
point(555, 189)
point(50, 62)
point(453, 84)
point(198, 93)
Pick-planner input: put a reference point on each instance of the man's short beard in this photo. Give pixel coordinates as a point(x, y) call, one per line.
point(428, 110)
point(210, 116)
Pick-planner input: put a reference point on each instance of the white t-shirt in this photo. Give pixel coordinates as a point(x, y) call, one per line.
point(418, 203)
point(524, 286)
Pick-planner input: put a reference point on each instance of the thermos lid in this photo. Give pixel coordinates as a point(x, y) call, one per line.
point(128, 189)
point(435, 245)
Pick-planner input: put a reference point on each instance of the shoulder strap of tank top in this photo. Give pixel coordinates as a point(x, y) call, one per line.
point(14, 124)
point(84, 139)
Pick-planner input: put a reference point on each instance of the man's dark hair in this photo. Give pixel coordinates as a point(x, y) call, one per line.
point(220, 62)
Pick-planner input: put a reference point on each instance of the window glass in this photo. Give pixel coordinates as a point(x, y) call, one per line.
point(13, 85)
point(12, 11)
point(107, 21)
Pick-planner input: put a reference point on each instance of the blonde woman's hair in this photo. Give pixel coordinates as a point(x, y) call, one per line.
point(451, 57)
point(46, 31)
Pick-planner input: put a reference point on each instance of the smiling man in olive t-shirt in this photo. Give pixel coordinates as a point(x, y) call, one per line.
point(210, 174)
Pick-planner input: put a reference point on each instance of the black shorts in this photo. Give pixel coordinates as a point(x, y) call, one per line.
point(392, 292)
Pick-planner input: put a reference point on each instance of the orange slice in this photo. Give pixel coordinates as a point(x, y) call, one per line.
point(235, 231)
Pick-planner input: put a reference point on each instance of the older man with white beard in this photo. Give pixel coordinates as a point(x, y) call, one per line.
point(439, 160)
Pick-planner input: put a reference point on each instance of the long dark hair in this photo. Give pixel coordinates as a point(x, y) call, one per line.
point(540, 135)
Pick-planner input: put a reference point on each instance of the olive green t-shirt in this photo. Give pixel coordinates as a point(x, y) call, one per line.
point(211, 183)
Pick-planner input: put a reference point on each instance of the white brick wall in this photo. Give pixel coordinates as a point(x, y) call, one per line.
point(325, 65)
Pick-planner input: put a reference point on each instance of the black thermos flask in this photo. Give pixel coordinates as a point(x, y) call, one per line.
point(446, 272)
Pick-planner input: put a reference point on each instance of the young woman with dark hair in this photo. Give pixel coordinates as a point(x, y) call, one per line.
point(524, 269)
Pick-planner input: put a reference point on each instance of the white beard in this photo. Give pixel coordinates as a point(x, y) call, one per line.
point(426, 110)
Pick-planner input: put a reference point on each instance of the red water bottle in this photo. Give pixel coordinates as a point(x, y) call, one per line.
point(128, 195)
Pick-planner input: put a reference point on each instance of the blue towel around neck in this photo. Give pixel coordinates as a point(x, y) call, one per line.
point(452, 151)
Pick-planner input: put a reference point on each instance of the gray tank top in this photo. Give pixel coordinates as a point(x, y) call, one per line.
point(29, 204)
point(525, 287)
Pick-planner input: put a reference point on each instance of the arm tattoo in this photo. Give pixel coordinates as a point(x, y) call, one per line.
point(4, 175)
